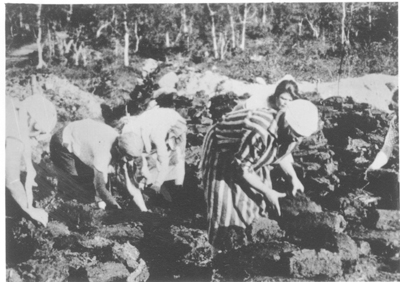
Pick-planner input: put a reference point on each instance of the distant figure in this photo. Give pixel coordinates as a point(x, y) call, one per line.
point(392, 136)
point(238, 153)
point(160, 135)
point(286, 91)
point(33, 118)
point(84, 150)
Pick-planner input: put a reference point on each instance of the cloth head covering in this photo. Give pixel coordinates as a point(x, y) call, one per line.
point(150, 65)
point(131, 143)
point(302, 116)
point(164, 90)
point(42, 112)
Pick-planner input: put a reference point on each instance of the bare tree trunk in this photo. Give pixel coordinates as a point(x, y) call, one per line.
point(21, 18)
point(343, 22)
point(350, 23)
point(214, 36)
point(313, 28)
point(103, 26)
point(137, 37)
point(117, 47)
point(222, 45)
point(69, 13)
point(126, 37)
point(244, 19)
point(232, 22)
point(50, 42)
point(264, 16)
point(369, 20)
point(80, 53)
point(190, 31)
point(68, 46)
point(167, 41)
point(41, 63)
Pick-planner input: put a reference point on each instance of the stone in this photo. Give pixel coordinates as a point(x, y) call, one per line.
point(96, 242)
point(321, 183)
point(364, 249)
point(126, 253)
point(141, 273)
point(260, 80)
point(169, 80)
point(13, 276)
point(309, 263)
point(388, 220)
point(107, 272)
point(48, 269)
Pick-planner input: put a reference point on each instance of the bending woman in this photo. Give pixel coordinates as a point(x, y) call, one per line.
point(32, 118)
point(237, 154)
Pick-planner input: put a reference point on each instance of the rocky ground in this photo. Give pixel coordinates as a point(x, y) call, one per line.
point(343, 228)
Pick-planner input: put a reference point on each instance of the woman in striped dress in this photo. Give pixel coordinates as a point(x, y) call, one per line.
point(237, 153)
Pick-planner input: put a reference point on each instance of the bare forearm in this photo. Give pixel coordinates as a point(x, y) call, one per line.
point(255, 181)
point(286, 165)
point(101, 189)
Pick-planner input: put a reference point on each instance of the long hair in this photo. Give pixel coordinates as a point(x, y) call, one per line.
point(288, 86)
point(285, 86)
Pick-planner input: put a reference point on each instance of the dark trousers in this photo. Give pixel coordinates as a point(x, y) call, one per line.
point(75, 179)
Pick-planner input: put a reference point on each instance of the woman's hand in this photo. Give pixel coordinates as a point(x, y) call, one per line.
point(297, 186)
point(273, 197)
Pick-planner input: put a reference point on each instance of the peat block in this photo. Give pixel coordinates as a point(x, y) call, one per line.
point(344, 245)
point(13, 276)
point(127, 253)
point(365, 269)
point(388, 220)
point(107, 272)
point(364, 249)
point(293, 206)
point(382, 242)
point(265, 230)
point(49, 269)
point(313, 228)
point(309, 263)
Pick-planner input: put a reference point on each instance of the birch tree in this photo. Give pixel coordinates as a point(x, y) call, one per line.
point(126, 39)
point(213, 32)
point(41, 63)
point(243, 20)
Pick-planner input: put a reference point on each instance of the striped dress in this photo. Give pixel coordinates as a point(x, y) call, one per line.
point(245, 139)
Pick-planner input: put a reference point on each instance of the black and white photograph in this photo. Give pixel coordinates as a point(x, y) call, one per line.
point(221, 142)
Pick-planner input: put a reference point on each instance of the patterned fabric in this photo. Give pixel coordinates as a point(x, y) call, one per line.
point(244, 140)
point(392, 137)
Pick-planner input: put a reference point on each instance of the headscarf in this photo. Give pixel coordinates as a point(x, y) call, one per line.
point(302, 116)
point(42, 112)
point(131, 143)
